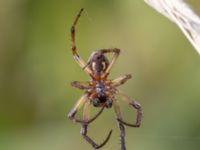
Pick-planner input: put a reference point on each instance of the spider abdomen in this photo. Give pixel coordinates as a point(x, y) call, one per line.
point(98, 62)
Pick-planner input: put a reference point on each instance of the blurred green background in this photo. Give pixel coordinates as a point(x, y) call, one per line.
point(36, 68)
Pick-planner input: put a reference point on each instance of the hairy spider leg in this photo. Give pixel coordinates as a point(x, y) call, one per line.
point(78, 59)
point(120, 80)
point(116, 53)
point(120, 125)
point(86, 111)
point(84, 129)
point(76, 108)
point(135, 105)
point(80, 85)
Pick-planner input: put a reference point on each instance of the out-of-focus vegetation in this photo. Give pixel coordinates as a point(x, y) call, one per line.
point(36, 68)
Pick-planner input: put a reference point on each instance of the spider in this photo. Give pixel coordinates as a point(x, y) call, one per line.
point(100, 91)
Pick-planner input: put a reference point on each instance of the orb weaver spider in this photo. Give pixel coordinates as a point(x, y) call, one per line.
point(100, 91)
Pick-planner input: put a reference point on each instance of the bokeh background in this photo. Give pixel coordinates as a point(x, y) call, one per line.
point(36, 68)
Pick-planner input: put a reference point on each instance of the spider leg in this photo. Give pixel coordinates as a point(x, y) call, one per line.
point(135, 105)
point(116, 53)
point(77, 58)
point(80, 85)
point(84, 129)
point(120, 80)
point(78, 105)
point(120, 125)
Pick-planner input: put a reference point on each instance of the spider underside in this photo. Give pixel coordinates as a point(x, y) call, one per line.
point(100, 91)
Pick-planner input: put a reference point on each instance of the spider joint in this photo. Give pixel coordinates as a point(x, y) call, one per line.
point(73, 29)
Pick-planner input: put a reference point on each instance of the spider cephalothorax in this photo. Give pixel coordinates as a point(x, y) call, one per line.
point(100, 91)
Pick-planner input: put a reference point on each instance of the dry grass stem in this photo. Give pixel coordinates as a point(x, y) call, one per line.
point(182, 14)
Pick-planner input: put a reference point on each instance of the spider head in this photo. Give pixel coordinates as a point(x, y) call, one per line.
point(98, 62)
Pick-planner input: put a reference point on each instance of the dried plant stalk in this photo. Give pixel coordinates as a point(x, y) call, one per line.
point(182, 14)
